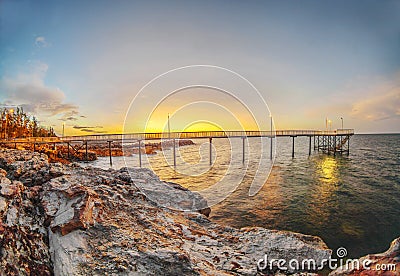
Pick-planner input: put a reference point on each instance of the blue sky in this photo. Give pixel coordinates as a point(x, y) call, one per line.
point(83, 63)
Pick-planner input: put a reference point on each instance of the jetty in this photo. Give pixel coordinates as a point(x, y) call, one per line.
point(327, 141)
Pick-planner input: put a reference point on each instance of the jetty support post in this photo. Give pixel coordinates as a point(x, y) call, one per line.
point(270, 150)
point(314, 142)
point(293, 146)
point(210, 139)
point(109, 151)
point(15, 145)
point(309, 146)
point(68, 150)
point(318, 142)
point(243, 151)
point(348, 144)
point(341, 144)
point(173, 140)
point(329, 145)
point(86, 152)
point(334, 145)
point(140, 152)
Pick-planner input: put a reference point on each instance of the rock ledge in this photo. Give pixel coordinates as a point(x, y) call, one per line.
point(68, 220)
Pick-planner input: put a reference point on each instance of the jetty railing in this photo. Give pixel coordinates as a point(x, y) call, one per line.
point(205, 134)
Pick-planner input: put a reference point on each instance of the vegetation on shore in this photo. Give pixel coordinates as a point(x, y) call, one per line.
point(15, 123)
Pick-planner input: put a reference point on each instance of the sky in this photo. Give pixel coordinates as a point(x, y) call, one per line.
point(88, 64)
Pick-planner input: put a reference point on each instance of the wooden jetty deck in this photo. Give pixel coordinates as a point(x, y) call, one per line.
point(330, 142)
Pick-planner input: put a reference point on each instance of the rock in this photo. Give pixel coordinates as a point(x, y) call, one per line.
point(31, 168)
point(23, 238)
point(65, 252)
point(387, 263)
point(89, 221)
point(70, 206)
point(134, 235)
point(2, 173)
point(10, 189)
point(3, 205)
point(171, 195)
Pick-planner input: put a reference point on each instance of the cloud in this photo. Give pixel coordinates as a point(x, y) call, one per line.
point(366, 99)
point(86, 127)
point(40, 41)
point(91, 129)
point(381, 103)
point(70, 115)
point(30, 92)
point(68, 118)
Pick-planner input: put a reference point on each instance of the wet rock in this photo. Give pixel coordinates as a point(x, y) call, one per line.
point(387, 263)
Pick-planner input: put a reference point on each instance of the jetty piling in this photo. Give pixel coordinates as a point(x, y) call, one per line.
point(109, 151)
point(244, 148)
point(270, 150)
point(140, 153)
point(174, 152)
point(86, 151)
point(210, 139)
point(293, 146)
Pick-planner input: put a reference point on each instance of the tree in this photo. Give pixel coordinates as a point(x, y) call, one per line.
point(18, 124)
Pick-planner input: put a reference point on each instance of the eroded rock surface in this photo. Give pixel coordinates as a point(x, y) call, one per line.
point(387, 263)
point(69, 220)
point(23, 236)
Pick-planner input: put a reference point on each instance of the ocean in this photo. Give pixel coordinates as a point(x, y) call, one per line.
point(349, 201)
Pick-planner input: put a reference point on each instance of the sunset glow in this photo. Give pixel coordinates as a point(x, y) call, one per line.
point(335, 60)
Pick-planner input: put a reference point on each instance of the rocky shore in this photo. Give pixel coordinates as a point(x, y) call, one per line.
point(57, 152)
point(62, 219)
point(117, 149)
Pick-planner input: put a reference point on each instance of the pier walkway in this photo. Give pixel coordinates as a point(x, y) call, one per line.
point(331, 141)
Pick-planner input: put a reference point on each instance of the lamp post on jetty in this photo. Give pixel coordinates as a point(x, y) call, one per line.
point(341, 118)
point(169, 129)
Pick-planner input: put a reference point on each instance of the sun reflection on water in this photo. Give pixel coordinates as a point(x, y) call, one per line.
point(327, 170)
point(323, 200)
